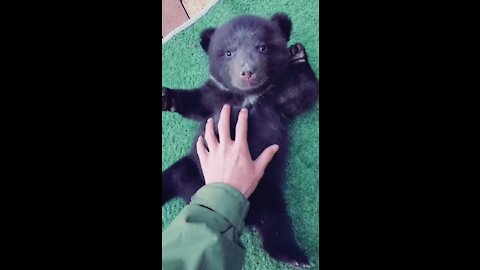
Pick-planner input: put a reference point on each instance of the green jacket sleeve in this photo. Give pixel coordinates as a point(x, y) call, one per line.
point(205, 235)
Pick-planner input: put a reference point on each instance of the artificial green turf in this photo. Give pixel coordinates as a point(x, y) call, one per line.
point(185, 66)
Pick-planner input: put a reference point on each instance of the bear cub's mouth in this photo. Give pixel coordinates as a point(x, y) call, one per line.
point(249, 85)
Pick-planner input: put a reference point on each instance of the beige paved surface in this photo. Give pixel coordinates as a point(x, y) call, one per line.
point(176, 12)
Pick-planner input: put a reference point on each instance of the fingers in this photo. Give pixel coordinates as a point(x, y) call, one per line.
point(210, 137)
point(224, 125)
point(201, 150)
point(242, 127)
point(267, 155)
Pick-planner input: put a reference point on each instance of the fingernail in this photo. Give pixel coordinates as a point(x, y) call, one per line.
point(276, 147)
point(245, 110)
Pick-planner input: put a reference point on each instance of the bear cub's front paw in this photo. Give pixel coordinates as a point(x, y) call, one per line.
point(165, 99)
point(297, 54)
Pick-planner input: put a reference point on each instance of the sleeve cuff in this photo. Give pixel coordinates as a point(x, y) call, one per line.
point(225, 200)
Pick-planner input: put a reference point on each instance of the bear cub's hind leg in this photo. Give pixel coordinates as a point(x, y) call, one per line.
point(274, 225)
point(182, 179)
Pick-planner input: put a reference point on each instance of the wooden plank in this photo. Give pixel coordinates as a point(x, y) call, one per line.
point(193, 7)
point(173, 15)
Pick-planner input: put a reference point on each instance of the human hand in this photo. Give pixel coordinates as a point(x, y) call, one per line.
point(229, 161)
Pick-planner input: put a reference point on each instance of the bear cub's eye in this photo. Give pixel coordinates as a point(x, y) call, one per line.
point(229, 53)
point(262, 48)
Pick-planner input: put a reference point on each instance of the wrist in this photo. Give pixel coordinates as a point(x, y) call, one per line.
point(224, 199)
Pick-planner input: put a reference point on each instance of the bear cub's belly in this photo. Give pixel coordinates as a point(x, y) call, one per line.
point(265, 128)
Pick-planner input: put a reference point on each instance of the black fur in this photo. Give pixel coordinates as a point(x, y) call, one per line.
point(284, 23)
point(205, 38)
point(289, 88)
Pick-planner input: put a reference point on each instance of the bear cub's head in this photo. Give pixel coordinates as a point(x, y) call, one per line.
point(248, 53)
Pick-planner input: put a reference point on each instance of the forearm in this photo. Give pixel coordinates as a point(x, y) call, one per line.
point(206, 233)
point(301, 87)
point(188, 103)
point(300, 93)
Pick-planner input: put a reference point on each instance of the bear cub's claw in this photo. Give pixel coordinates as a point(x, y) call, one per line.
point(298, 55)
point(291, 255)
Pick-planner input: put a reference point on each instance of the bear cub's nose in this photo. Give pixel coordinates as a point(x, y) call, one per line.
point(247, 75)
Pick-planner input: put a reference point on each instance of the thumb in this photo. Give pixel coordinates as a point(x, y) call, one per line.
point(267, 155)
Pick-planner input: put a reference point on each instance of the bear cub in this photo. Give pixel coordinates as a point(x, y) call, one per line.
point(251, 66)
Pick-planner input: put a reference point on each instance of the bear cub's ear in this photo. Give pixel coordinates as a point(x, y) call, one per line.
point(284, 23)
point(205, 38)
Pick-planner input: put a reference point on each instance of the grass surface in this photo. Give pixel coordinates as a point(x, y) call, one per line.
point(185, 66)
